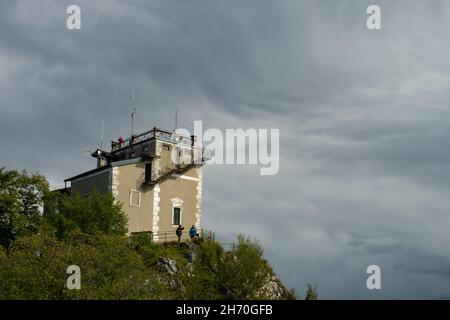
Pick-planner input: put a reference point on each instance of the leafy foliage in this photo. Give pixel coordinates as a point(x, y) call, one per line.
point(205, 282)
point(239, 274)
point(245, 271)
point(97, 213)
point(311, 293)
point(22, 196)
point(35, 268)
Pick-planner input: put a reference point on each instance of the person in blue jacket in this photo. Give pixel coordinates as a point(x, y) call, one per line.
point(192, 232)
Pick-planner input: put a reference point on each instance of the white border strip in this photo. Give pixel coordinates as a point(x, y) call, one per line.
point(184, 177)
point(156, 200)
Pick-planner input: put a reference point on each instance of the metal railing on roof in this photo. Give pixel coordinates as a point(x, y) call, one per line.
point(154, 133)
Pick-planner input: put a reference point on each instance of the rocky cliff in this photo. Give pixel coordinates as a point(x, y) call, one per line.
point(238, 274)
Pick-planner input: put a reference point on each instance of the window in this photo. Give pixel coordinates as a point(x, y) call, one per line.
point(135, 198)
point(177, 211)
point(132, 154)
point(145, 149)
point(166, 147)
point(148, 172)
point(176, 219)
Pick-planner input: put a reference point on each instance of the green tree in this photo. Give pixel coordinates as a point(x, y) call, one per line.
point(22, 197)
point(3, 274)
point(97, 213)
point(113, 270)
point(244, 271)
point(204, 282)
point(311, 292)
point(35, 268)
point(240, 274)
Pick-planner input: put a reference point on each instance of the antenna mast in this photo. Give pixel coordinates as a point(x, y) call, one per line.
point(132, 112)
point(176, 118)
point(102, 136)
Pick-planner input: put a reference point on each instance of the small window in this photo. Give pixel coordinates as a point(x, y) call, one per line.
point(135, 198)
point(166, 147)
point(145, 149)
point(176, 219)
point(132, 155)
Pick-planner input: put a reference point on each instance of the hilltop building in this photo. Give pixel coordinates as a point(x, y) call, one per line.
point(157, 194)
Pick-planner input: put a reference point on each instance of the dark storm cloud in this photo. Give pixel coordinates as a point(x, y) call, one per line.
point(363, 118)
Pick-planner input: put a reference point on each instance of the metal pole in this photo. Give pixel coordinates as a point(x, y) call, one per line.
point(132, 121)
point(132, 112)
point(102, 135)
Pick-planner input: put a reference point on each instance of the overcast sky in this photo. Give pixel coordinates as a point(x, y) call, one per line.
point(364, 120)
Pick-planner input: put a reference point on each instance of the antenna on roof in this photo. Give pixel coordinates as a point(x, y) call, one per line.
point(133, 112)
point(176, 119)
point(102, 136)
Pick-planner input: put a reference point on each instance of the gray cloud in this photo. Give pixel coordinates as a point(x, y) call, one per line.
point(363, 120)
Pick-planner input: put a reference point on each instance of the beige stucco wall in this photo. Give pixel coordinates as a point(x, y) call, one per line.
point(166, 161)
point(99, 181)
point(130, 177)
point(184, 189)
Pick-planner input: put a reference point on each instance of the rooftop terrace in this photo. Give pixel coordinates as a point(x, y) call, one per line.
point(155, 133)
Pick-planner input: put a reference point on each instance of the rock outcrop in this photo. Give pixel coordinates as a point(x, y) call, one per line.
point(167, 265)
point(179, 272)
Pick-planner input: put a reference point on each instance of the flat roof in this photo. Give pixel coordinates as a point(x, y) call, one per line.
point(81, 175)
point(112, 164)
